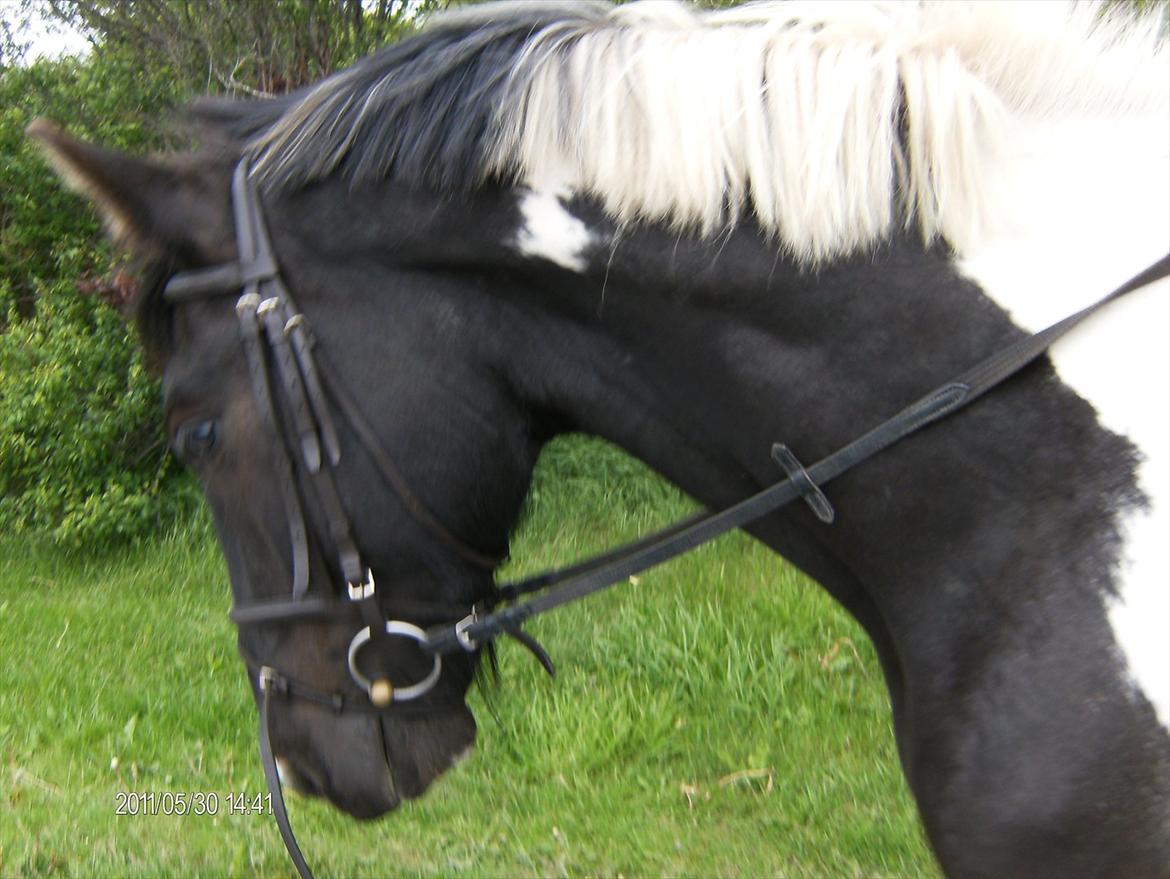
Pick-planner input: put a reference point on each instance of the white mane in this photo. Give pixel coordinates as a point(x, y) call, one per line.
point(829, 122)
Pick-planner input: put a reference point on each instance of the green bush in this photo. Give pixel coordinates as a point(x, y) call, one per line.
point(82, 455)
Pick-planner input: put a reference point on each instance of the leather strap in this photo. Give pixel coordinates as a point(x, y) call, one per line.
point(246, 311)
point(272, 777)
point(307, 428)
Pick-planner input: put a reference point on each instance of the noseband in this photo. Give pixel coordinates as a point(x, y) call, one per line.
point(278, 345)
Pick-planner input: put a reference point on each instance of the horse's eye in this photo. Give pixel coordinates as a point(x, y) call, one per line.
point(199, 439)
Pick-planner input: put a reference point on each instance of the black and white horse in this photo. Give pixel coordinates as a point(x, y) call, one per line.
point(696, 234)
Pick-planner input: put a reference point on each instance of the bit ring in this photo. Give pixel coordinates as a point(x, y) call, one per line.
point(398, 694)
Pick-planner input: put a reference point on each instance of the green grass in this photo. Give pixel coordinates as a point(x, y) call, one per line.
point(720, 717)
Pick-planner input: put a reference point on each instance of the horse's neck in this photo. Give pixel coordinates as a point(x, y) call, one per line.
point(697, 358)
point(726, 348)
point(1086, 205)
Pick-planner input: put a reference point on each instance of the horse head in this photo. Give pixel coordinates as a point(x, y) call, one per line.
point(427, 428)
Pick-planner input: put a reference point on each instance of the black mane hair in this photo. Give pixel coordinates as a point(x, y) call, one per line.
point(422, 110)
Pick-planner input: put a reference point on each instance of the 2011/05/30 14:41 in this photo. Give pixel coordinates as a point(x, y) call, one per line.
point(135, 803)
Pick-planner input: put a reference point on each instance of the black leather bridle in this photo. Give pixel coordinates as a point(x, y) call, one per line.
point(279, 350)
point(278, 345)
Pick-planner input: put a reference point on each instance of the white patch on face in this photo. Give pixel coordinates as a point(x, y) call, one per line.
point(1087, 205)
point(550, 232)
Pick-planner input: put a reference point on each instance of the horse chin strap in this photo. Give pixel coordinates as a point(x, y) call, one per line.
point(276, 339)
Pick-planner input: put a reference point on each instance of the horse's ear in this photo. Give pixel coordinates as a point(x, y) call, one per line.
point(134, 196)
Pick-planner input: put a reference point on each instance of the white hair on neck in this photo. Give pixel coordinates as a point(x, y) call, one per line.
point(830, 123)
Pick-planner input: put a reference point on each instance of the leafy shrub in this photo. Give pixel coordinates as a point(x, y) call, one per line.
point(82, 455)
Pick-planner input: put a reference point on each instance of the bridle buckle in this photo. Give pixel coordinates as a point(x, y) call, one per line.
point(363, 590)
point(271, 681)
point(465, 640)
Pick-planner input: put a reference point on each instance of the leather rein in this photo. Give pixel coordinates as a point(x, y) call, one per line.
point(279, 348)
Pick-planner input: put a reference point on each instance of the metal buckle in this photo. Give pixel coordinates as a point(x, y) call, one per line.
point(268, 679)
point(398, 694)
point(247, 302)
point(297, 320)
point(269, 304)
point(466, 641)
point(366, 589)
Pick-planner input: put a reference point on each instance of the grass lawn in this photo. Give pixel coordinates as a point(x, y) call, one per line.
point(720, 717)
